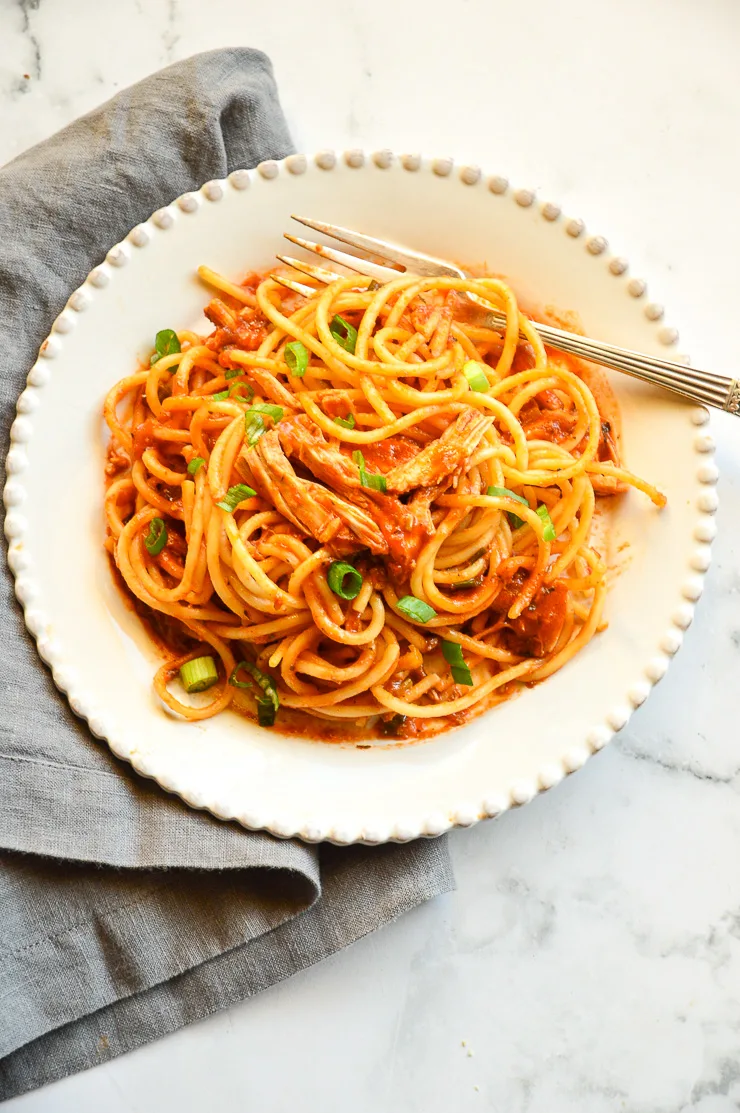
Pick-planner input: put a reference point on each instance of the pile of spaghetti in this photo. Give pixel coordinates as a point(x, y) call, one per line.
point(362, 511)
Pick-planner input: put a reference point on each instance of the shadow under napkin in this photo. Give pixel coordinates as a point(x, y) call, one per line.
point(124, 914)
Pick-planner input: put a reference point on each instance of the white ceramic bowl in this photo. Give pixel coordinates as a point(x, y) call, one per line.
point(94, 645)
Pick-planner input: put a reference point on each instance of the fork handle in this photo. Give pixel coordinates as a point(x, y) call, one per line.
point(706, 387)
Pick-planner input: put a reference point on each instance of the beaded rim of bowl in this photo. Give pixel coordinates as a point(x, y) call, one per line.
point(101, 277)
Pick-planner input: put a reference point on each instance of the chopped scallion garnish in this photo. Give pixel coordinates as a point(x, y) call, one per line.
point(199, 674)
point(220, 397)
point(268, 701)
point(254, 422)
point(254, 427)
point(275, 412)
point(453, 655)
point(234, 496)
point(296, 357)
point(233, 373)
point(476, 376)
point(195, 465)
point(344, 333)
point(347, 422)
point(548, 533)
point(344, 580)
point(505, 493)
point(156, 538)
point(235, 392)
point(367, 479)
point(391, 727)
point(415, 608)
point(165, 344)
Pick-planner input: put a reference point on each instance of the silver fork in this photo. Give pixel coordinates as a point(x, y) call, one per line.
point(706, 387)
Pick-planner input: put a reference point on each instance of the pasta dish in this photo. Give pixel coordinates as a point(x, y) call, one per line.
point(364, 512)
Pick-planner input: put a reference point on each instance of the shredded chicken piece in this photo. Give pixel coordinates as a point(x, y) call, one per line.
point(405, 528)
point(348, 516)
point(333, 521)
point(118, 459)
point(245, 329)
point(426, 314)
point(550, 425)
point(608, 451)
point(536, 631)
point(443, 457)
point(301, 438)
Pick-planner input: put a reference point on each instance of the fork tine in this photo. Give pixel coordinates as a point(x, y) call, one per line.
point(362, 266)
point(296, 287)
point(415, 261)
point(319, 273)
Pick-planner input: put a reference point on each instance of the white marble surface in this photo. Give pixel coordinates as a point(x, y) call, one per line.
point(590, 958)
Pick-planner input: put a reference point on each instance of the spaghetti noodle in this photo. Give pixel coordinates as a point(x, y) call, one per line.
point(364, 511)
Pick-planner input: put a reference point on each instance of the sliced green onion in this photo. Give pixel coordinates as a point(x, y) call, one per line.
point(367, 479)
point(476, 376)
point(266, 712)
point(235, 392)
point(165, 344)
point(220, 397)
point(255, 423)
point(374, 482)
point(347, 422)
point(339, 573)
point(199, 674)
point(234, 496)
point(195, 465)
point(415, 608)
point(268, 701)
point(296, 357)
point(548, 533)
point(505, 493)
point(460, 585)
point(391, 727)
point(254, 427)
point(344, 333)
point(453, 655)
point(275, 412)
point(156, 538)
point(233, 373)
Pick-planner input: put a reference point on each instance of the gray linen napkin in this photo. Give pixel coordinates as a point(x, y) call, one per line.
point(124, 914)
